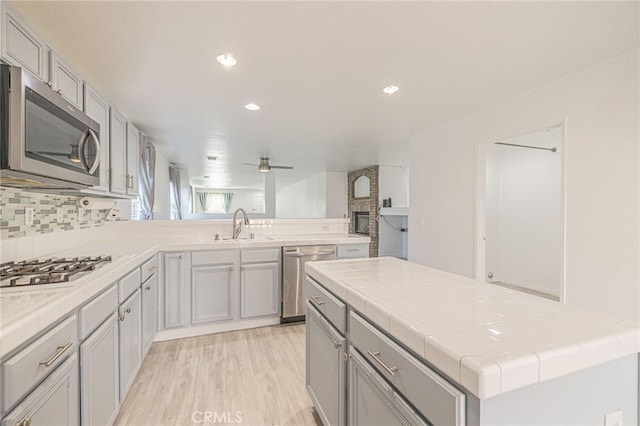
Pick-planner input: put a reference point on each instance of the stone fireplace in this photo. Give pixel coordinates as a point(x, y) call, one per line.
point(363, 209)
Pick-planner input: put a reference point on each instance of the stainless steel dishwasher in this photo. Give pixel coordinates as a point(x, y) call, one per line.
point(293, 294)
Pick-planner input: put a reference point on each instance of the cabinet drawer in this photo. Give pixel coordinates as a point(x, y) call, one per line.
point(212, 257)
point(149, 268)
point(353, 251)
point(96, 311)
point(332, 308)
point(33, 363)
point(128, 284)
point(435, 398)
point(260, 255)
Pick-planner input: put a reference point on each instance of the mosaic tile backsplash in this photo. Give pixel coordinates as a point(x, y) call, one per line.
point(45, 208)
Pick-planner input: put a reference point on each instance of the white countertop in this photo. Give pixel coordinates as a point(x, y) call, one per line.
point(25, 313)
point(487, 338)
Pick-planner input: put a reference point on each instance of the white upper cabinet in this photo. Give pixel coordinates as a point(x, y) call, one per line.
point(66, 82)
point(21, 46)
point(133, 151)
point(118, 154)
point(98, 109)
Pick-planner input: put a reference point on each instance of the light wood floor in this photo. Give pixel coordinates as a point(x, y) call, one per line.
point(256, 376)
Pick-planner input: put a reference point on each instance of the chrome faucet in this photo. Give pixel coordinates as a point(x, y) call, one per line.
point(237, 227)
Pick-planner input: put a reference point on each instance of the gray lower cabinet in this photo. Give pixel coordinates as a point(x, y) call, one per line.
point(54, 402)
point(259, 290)
point(99, 374)
point(325, 368)
point(149, 312)
point(175, 306)
point(372, 401)
point(211, 293)
point(130, 341)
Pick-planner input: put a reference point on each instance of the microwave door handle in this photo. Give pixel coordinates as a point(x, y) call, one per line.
point(96, 142)
point(83, 160)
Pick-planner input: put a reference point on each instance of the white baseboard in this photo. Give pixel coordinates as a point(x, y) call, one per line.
point(181, 333)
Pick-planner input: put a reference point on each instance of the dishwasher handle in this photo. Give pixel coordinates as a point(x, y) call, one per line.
point(296, 254)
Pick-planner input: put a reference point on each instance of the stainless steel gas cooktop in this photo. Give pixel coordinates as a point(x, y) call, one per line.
point(41, 272)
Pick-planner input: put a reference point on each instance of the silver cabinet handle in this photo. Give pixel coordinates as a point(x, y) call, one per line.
point(120, 317)
point(336, 344)
point(353, 250)
point(59, 92)
point(318, 300)
point(376, 355)
point(242, 268)
point(181, 257)
point(96, 143)
point(231, 268)
point(49, 83)
point(61, 349)
point(128, 310)
point(148, 287)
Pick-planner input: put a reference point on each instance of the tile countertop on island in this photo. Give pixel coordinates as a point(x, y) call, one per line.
point(23, 314)
point(487, 338)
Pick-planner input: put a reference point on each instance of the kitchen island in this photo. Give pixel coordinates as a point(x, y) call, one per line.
point(447, 349)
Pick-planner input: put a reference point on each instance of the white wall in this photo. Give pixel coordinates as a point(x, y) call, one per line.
point(303, 199)
point(393, 182)
point(599, 107)
point(337, 194)
point(524, 201)
point(319, 196)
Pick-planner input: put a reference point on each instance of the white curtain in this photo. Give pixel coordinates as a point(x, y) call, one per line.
point(206, 200)
point(175, 178)
point(147, 181)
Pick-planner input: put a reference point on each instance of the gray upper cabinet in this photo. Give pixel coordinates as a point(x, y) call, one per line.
point(130, 341)
point(99, 375)
point(66, 82)
point(21, 46)
point(53, 402)
point(211, 293)
point(325, 369)
point(259, 290)
point(98, 109)
point(118, 153)
point(133, 154)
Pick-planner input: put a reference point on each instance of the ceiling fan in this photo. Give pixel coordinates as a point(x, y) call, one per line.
point(265, 167)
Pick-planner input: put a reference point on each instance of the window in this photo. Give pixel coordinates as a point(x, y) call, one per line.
point(213, 202)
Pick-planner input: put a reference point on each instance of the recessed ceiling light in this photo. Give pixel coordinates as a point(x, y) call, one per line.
point(227, 60)
point(212, 157)
point(390, 90)
point(252, 107)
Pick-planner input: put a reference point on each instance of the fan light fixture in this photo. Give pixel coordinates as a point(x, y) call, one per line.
point(226, 59)
point(264, 166)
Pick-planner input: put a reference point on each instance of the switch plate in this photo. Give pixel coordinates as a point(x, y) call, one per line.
point(28, 216)
point(613, 419)
point(60, 215)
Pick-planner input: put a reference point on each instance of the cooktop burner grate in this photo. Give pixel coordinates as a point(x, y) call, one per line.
point(48, 271)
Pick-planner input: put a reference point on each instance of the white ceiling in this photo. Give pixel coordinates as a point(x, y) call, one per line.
point(317, 70)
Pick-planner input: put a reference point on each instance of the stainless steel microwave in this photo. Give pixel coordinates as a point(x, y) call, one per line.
point(45, 142)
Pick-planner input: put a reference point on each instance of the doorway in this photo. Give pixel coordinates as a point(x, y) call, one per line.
point(520, 213)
